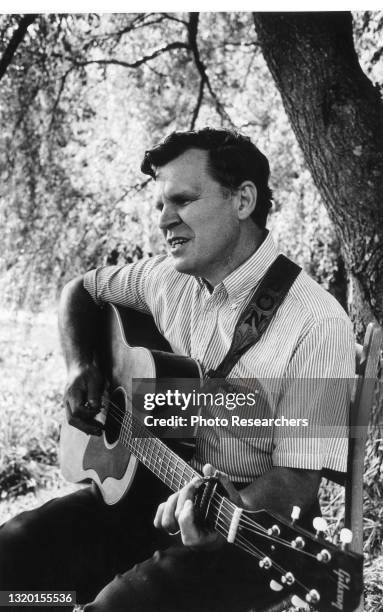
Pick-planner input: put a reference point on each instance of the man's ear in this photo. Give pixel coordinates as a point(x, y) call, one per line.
point(247, 199)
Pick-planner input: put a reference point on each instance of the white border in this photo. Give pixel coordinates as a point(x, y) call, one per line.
point(130, 6)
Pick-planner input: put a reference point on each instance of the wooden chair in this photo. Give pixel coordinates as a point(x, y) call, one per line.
point(367, 362)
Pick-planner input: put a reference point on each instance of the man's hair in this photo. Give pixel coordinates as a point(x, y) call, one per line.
point(233, 159)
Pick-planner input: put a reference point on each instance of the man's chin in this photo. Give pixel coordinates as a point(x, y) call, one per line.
point(183, 266)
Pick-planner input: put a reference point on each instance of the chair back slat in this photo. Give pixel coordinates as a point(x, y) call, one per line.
point(366, 363)
point(368, 358)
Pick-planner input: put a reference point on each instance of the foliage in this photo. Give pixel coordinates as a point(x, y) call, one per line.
point(83, 98)
point(368, 39)
point(30, 397)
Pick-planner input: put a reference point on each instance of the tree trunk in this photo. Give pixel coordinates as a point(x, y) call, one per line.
point(16, 40)
point(337, 116)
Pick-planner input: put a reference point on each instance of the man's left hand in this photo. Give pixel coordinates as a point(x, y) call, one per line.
point(177, 513)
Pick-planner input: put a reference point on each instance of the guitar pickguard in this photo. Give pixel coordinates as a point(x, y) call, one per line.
point(112, 462)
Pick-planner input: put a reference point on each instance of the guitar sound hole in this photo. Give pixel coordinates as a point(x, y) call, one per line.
point(115, 415)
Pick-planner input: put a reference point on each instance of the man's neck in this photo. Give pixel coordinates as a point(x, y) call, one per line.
point(252, 244)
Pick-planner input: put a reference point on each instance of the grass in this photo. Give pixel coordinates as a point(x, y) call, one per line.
point(31, 384)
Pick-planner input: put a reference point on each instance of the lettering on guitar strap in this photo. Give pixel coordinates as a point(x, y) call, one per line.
point(344, 579)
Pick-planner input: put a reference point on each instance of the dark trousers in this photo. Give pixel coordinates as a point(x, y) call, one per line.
point(113, 557)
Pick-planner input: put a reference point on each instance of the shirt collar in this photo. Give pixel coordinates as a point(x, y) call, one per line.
point(244, 278)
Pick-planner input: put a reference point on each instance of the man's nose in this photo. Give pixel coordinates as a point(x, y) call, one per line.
point(169, 217)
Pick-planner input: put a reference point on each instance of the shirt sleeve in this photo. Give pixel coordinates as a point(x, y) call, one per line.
point(130, 285)
point(317, 390)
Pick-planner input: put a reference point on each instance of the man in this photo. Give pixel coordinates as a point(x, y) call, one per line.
point(213, 198)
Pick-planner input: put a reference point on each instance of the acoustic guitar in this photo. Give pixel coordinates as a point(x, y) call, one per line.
point(314, 571)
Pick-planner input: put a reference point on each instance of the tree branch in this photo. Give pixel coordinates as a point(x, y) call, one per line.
point(177, 19)
point(162, 75)
point(58, 97)
point(134, 188)
point(198, 104)
point(136, 64)
point(135, 24)
point(16, 40)
point(192, 35)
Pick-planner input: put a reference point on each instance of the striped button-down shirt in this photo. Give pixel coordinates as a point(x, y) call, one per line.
point(310, 338)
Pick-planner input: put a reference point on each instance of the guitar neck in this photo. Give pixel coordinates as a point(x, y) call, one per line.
point(171, 469)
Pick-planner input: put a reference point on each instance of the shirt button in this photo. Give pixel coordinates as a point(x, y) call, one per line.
point(233, 306)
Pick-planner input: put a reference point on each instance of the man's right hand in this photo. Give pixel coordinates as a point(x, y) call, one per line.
point(82, 398)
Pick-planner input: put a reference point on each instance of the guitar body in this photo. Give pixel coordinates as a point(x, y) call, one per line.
point(105, 460)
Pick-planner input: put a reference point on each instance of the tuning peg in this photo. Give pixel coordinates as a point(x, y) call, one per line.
point(275, 586)
point(319, 524)
point(298, 543)
point(324, 556)
point(265, 563)
point(295, 513)
point(288, 579)
point(274, 531)
point(345, 537)
point(313, 597)
point(297, 602)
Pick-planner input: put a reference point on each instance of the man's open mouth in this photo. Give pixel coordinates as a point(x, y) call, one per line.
point(173, 242)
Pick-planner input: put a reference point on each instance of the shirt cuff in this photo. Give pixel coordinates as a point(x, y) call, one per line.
point(333, 456)
point(90, 284)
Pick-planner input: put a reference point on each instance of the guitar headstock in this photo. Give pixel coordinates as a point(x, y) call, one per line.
point(304, 564)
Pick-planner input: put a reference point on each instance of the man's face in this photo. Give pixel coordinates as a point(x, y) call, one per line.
point(198, 217)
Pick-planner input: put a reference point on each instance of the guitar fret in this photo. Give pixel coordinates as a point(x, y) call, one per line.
point(179, 474)
point(154, 464)
point(145, 449)
point(172, 473)
point(161, 461)
point(183, 480)
point(151, 456)
point(168, 469)
point(127, 439)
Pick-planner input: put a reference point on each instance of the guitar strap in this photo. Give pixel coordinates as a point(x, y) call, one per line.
point(256, 317)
